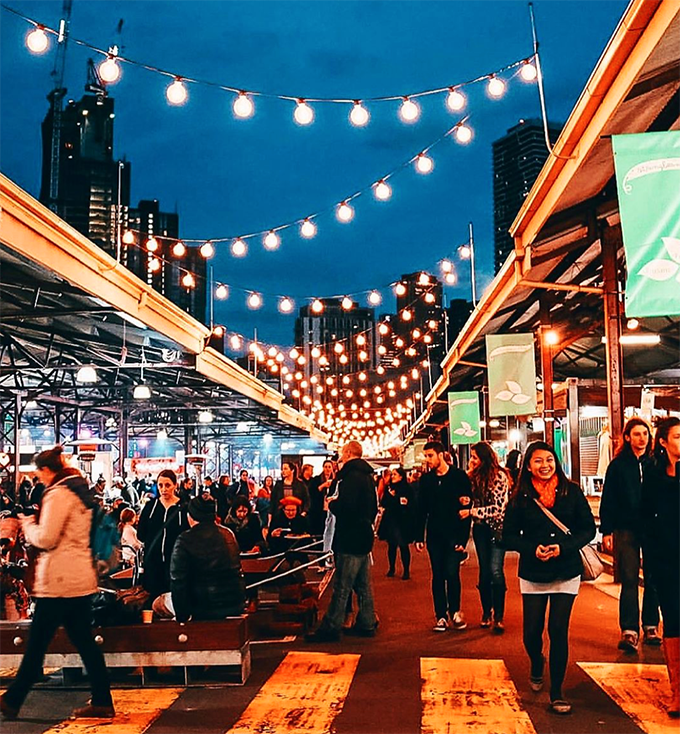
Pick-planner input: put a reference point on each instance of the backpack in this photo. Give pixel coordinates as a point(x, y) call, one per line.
point(104, 542)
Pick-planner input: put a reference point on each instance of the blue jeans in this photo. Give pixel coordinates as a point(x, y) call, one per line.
point(351, 573)
point(627, 548)
point(491, 557)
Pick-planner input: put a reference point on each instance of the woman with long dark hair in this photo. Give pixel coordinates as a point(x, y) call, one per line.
point(550, 565)
point(398, 522)
point(661, 542)
point(65, 581)
point(289, 486)
point(489, 499)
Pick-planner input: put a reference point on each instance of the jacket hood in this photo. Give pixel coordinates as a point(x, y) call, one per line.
point(355, 465)
point(72, 479)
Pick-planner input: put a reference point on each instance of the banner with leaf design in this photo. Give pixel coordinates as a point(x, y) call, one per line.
point(512, 374)
point(648, 182)
point(464, 417)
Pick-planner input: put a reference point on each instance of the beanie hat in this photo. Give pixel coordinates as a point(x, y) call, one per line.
point(202, 508)
point(288, 501)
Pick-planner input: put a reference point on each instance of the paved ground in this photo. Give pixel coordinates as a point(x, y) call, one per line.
point(406, 680)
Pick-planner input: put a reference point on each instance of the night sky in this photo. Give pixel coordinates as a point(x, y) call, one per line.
point(228, 177)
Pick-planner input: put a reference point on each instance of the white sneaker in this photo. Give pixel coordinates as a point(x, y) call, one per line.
point(458, 621)
point(441, 626)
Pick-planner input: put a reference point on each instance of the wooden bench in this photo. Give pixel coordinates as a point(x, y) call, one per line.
point(160, 644)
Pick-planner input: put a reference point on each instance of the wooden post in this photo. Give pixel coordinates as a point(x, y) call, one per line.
point(547, 373)
point(574, 438)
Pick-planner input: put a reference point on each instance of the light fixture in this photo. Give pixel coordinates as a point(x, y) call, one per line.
point(361, 340)
point(382, 190)
point(409, 110)
point(128, 237)
point(161, 435)
point(304, 114)
point(243, 106)
point(450, 278)
point(338, 348)
point(374, 298)
point(496, 87)
point(254, 300)
point(286, 305)
point(637, 339)
point(315, 353)
point(109, 70)
point(551, 337)
point(87, 375)
point(271, 240)
point(528, 71)
point(218, 331)
point(446, 266)
point(494, 423)
point(465, 252)
point(205, 416)
point(423, 279)
point(176, 92)
point(207, 250)
point(221, 292)
point(317, 306)
point(235, 342)
point(31, 405)
point(633, 324)
point(514, 435)
point(179, 249)
point(344, 212)
point(406, 315)
point(400, 289)
point(463, 134)
point(188, 281)
point(154, 264)
point(152, 244)
point(141, 392)
point(429, 298)
point(424, 164)
point(383, 329)
point(359, 115)
point(239, 248)
point(347, 303)
point(37, 40)
point(308, 229)
point(455, 100)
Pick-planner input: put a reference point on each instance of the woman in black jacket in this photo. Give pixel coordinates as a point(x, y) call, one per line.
point(246, 526)
point(549, 561)
point(397, 525)
point(661, 542)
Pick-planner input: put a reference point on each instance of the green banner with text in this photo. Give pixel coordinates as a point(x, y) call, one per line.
point(512, 374)
point(464, 417)
point(648, 182)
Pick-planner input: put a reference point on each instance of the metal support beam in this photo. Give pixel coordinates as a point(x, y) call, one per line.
point(17, 441)
point(547, 372)
point(561, 286)
point(610, 239)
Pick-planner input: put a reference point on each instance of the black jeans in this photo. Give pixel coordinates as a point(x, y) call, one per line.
point(627, 545)
point(405, 556)
point(75, 614)
point(445, 563)
point(534, 607)
point(491, 557)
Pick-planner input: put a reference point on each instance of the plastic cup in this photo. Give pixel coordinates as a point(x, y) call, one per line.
point(147, 616)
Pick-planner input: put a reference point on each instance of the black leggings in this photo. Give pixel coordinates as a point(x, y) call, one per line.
point(534, 606)
point(405, 556)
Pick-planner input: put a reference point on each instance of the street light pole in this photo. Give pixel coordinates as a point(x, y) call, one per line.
point(473, 276)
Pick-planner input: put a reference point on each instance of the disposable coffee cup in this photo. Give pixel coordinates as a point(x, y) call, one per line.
point(147, 616)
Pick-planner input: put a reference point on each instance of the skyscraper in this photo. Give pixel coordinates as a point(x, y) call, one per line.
point(517, 160)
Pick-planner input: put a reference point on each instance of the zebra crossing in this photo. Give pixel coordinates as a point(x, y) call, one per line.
point(308, 690)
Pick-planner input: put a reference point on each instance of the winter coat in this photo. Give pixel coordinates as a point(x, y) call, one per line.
point(317, 514)
point(354, 509)
point(65, 569)
point(248, 533)
point(621, 504)
point(299, 490)
point(526, 527)
point(488, 506)
point(398, 521)
point(439, 505)
point(205, 574)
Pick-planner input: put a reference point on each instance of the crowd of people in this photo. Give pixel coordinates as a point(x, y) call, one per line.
point(189, 537)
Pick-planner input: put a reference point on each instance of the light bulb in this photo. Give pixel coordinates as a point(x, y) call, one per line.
point(176, 92)
point(129, 237)
point(359, 116)
point(347, 303)
point(446, 266)
point(429, 298)
point(308, 229)
point(383, 329)
point(221, 292)
point(315, 353)
point(179, 249)
point(344, 212)
point(424, 164)
point(374, 298)
point(304, 114)
point(271, 240)
point(254, 300)
point(109, 70)
point(528, 71)
point(344, 359)
point(243, 106)
point(238, 247)
point(382, 191)
point(551, 337)
point(463, 134)
point(409, 110)
point(235, 342)
point(188, 281)
point(633, 324)
point(406, 315)
point(361, 340)
point(423, 279)
point(207, 250)
point(455, 100)
point(317, 306)
point(154, 265)
point(465, 252)
point(285, 305)
point(37, 40)
point(495, 87)
point(450, 278)
point(400, 289)
point(152, 244)
point(338, 348)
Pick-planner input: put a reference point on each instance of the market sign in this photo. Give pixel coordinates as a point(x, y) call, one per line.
point(512, 374)
point(464, 417)
point(648, 182)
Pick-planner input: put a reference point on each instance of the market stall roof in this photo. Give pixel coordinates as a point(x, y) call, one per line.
point(634, 88)
point(65, 303)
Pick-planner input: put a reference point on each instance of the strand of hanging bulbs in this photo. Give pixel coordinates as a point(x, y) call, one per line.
point(243, 107)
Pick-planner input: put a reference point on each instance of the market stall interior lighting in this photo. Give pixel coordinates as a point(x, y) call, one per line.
point(637, 339)
point(87, 375)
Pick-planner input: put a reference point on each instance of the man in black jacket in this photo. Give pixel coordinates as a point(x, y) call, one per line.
point(621, 527)
point(206, 581)
point(444, 492)
point(355, 507)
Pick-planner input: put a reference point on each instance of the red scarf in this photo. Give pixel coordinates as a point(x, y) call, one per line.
point(547, 490)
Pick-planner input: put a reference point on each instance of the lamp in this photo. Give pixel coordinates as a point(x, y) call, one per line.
point(141, 392)
point(87, 375)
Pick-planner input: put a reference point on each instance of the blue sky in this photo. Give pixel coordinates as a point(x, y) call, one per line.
point(228, 177)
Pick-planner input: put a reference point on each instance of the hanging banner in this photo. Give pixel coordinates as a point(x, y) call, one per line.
point(464, 417)
point(648, 182)
point(512, 374)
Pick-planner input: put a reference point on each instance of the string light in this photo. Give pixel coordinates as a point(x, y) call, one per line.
point(235, 342)
point(383, 329)
point(400, 289)
point(528, 71)
point(424, 164)
point(243, 106)
point(308, 229)
point(382, 190)
point(423, 279)
point(286, 305)
point(455, 100)
point(347, 303)
point(409, 111)
point(37, 40)
point(303, 114)
point(254, 301)
point(496, 87)
point(177, 93)
point(154, 264)
point(179, 249)
point(109, 70)
point(239, 248)
point(374, 298)
point(463, 134)
point(359, 115)
point(207, 250)
point(344, 212)
point(406, 315)
point(450, 278)
point(152, 244)
point(272, 240)
point(221, 292)
point(317, 306)
point(429, 298)
point(446, 266)
point(129, 237)
point(465, 252)
point(188, 281)
point(361, 340)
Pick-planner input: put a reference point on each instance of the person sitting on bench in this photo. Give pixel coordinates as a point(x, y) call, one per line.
point(206, 581)
point(287, 525)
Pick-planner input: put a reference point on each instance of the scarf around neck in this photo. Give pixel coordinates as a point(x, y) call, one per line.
point(546, 490)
